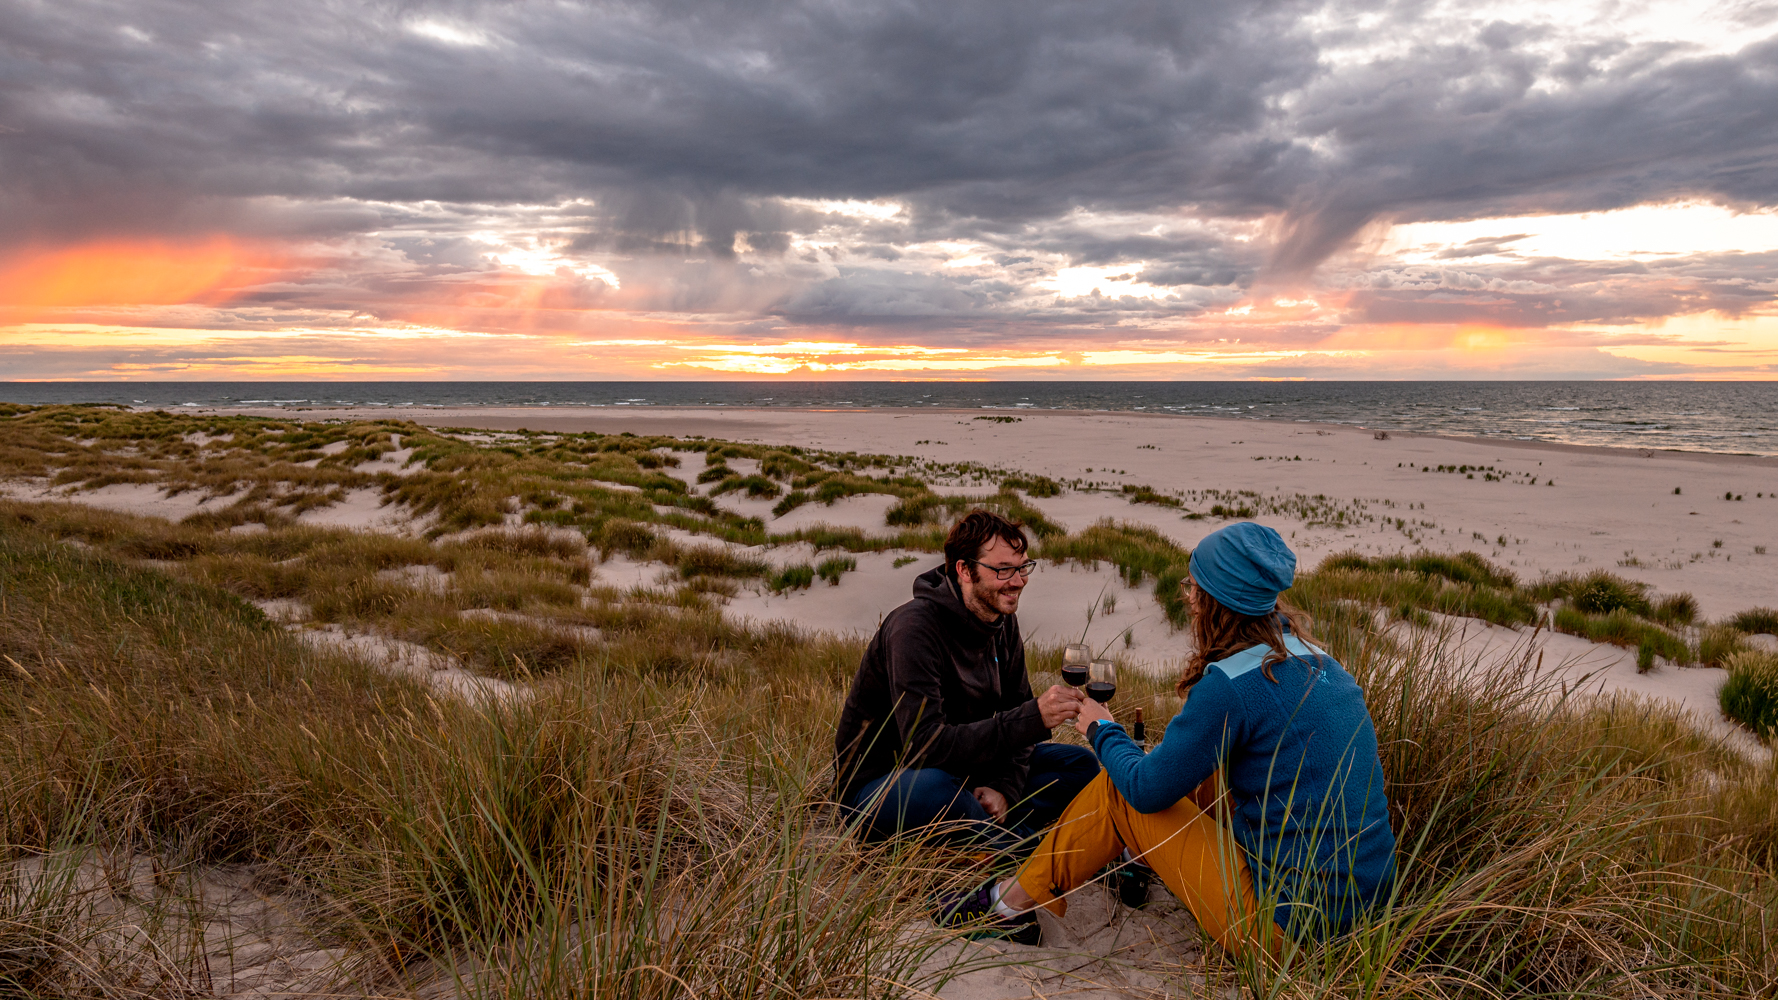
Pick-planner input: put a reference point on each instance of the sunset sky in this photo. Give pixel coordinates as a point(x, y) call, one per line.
point(888, 189)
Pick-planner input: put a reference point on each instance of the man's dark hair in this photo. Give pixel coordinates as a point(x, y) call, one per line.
point(976, 531)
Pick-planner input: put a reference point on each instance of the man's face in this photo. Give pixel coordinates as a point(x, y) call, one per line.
point(981, 591)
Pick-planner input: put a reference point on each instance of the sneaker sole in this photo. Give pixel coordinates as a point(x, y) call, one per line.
point(1028, 934)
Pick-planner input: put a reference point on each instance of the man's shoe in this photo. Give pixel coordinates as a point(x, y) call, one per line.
point(973, 912)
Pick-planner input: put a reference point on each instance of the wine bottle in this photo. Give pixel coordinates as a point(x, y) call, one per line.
point(1139, 732)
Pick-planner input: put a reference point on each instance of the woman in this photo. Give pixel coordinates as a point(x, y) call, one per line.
point(1301, 844)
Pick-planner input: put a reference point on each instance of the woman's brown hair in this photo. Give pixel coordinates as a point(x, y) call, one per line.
point(1219, 633)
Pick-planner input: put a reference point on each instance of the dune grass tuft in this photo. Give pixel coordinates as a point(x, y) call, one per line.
point(1754, 621)
point(1139, 553)
point(1750, 695)
point(1464, 584)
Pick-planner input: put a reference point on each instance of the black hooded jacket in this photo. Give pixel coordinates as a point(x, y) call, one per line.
point(939, 687)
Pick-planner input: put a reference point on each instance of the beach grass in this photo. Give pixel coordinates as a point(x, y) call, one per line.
point(656, 800)
point(1750, 694)
point(156, 716)
point(1756, 620)
point(641, 809)
point(1463, 585)
point(1139, 552)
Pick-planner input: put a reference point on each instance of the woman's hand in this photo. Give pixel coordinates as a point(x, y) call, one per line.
point(1091, 711)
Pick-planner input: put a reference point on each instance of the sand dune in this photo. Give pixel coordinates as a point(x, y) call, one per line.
point(1608, 508)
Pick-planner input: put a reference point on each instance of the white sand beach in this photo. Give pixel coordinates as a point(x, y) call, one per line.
point(1659, 518)
point(1663, 518)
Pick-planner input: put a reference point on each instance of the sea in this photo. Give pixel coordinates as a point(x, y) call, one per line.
point(1727, 417)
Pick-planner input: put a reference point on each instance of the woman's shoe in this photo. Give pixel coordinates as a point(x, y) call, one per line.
point(973, 912)
point(1132, 884)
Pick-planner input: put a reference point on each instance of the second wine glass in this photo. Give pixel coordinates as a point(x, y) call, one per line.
point(1101, 681)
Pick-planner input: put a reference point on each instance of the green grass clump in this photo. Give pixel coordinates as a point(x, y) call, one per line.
point(1754, 621)
point(923, 509)
point(1139, 552)
point(1147, 494)
point(790, 502)
point(825, 536)
point(711, 560)
point(1595, 593)
point(754, 486)
point(1603, 593)
point(628, 537)
point(1622, 628)
point(794, 577)
point(1675, 609)
point(1464, 567)
point(1465, 584)
point(1716, 643)
point(1036, 486)
point(1750, 695)
point(833, 567)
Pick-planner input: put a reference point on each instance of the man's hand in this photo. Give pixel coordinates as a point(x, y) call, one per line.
point(1091, 711)
point(993, 802)
point(1059, 704)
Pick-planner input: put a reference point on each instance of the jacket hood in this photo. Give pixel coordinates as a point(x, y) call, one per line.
point(935, 586)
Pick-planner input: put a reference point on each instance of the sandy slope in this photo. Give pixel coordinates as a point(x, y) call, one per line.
point(1606, 506)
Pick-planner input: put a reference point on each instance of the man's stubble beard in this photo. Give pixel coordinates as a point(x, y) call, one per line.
point(973, 600)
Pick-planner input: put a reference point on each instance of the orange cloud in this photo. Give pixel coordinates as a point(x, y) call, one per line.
point(131, 272)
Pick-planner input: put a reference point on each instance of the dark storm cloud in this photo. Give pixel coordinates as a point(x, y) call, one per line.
point(686, 123)
point(168, 114)
point(1464, 131)
point(1547, 292)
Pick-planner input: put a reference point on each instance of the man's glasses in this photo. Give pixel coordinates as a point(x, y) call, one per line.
point(1006, 572)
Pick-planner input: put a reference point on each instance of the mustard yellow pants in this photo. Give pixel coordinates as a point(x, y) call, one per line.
point(1192, 853)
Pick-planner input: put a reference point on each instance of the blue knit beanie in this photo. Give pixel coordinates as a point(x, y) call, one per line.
point(1244, 566)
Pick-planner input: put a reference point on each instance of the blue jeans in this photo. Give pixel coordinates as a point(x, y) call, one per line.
point(910, 799)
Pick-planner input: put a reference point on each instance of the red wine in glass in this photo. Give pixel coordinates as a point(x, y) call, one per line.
point(1075, 657)
point(1102, 681)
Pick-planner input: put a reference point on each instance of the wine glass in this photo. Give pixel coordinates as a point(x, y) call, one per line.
point(1075, 657)
point(1101, 681)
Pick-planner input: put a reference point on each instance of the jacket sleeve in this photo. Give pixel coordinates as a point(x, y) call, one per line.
point(1010, 779)
point(1196, 743)
point(915, 659)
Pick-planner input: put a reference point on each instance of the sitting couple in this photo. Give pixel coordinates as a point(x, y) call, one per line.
point(1262, 809)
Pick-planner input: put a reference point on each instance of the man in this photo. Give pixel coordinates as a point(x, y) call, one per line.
point(940, 726)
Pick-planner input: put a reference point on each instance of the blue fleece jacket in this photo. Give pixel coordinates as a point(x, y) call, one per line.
point(1309, 808)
